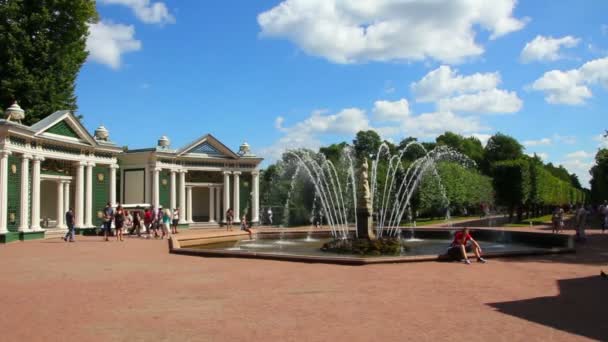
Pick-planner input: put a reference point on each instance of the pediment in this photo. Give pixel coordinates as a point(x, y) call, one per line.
point(63, 125)
point(208, 146)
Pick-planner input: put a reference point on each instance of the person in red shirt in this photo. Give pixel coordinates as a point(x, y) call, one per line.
point(460, 246)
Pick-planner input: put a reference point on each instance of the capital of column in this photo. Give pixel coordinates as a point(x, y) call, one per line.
point(38, 158)
point(227, 173)
point(114, 166)
point(237, 173)
point(182, 171)
point(82, 163)
point(5, 154)
point(174, 171)
point(158, 169)
point(91, 164)
point(26, 156)
point(255, 173)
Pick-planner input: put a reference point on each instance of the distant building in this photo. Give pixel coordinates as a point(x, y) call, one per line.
point(56, 164)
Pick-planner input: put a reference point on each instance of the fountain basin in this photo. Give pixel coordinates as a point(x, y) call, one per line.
point(426, 245)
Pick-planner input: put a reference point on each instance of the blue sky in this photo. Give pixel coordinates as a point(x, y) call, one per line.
point(300, 73)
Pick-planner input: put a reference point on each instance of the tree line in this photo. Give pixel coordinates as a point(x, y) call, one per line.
point(497, 175)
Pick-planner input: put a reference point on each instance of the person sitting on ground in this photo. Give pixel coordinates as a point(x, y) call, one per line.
point(245, 227)
point(459, 248)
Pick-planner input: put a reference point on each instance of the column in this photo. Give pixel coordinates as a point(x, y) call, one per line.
point(189, 191)
point(24, 215)
point(155, 187)
point(88, 211)
point(182, 197)
point(36, 193)
point(66, 196)
point(4, 191)
point(218, 196)
point(112, 198)
point(255, 194)
point(79, 196)
point(237, 197)
point(173, 195)
point(60, 204)
point(226, 194)
point(211, 205)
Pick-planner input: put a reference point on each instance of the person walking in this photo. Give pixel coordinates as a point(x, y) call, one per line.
point(148, 221)
point(604, 216)
point(581, 221)
point(557, 220)
point(108, 216)
point(175, 221)
point(69, 221)
point(137, 223)
point(119, 222)
point(229, 218)
point(166, 223)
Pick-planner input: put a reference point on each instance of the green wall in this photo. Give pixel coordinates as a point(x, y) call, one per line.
point(164, 188)
point(62, 128)
point(101, 192)
point(14, 193)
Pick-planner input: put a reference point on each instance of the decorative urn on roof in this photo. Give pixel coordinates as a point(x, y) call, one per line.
point(245, 150)
point(164, 142)
point(14, 113)
point(102, 133)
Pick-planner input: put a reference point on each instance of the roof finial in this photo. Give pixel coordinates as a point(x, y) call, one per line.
point(14, 113)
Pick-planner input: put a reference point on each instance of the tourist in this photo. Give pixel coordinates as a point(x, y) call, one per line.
point(119, 222)
point(229, 218)
point(158, 220)
point(128, 222)
point(581, 221)
point(148, 221)
point(137, 223)
point(175, 221)
point(69, 221)
point(459, 247)
point(558, 220)
point(245, 227)
point(165, 223)
point(108, 216)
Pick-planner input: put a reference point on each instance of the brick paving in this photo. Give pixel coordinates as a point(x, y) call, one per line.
point(136, 291)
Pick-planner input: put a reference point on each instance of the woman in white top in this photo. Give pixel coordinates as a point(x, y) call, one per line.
point(175, 221)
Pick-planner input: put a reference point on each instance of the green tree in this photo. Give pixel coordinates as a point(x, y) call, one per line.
point(413, 152)
point(333, 152)
point(42, 49)
point(501, 147)
point(599, 177)
point(470, 147)
point(367, 143)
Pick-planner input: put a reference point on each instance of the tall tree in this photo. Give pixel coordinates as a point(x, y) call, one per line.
point(42, 49)
point(470, 147)
point(599, 177)
point(501, 147)
point(367, 143)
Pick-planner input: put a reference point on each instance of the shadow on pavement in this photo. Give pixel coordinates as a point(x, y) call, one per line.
point(581, 308)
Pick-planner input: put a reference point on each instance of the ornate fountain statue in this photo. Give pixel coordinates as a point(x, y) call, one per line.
point(364, 205)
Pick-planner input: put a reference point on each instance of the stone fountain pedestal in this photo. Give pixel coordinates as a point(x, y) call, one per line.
point(365, 220)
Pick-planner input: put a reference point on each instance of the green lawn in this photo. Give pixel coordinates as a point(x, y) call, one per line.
point(421, 222)
point(536, 221)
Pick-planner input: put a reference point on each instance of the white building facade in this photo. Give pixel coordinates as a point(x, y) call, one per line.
point(56, 164)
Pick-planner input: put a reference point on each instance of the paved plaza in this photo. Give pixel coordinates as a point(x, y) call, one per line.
point(136, 291)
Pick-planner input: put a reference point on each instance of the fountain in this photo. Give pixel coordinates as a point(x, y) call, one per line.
point(364, 212)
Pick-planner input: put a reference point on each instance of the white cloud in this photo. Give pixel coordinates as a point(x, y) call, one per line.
point(572, 86)
point(430, 125)
point(579, 155)
point(603, 140)
point(476, 93)
point(540, 142)
point(146, 11)
point(414, 30)
point(546, 48)
point(487, 101)
point(107, 42)
point(443, 82)
point(564, 139)
point(391, 111)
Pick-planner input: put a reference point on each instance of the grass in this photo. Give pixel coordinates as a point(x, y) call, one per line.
point(421, 222)
point(535, 221)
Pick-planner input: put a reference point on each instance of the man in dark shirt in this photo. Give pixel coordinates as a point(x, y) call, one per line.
point(69, 221)
point(108, 215)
